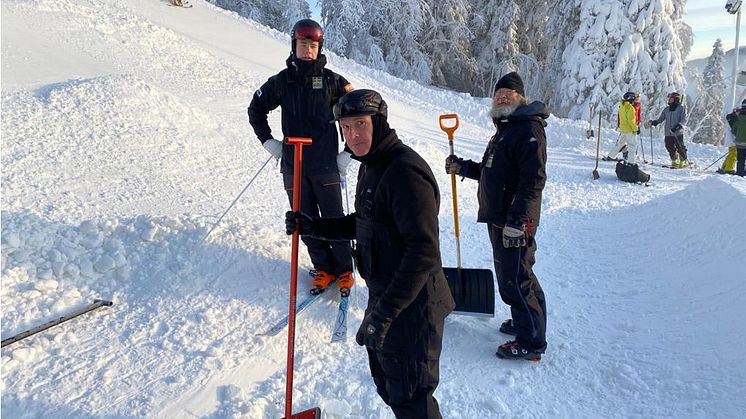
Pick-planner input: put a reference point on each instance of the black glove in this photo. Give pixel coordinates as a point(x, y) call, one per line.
point(372, 332)
point(297, 220)
point(638, 130)
point(653, 123)
point(514, 236)
point(678, 127)
point(454, 163)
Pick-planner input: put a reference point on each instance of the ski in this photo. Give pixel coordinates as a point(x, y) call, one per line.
point(339, 333)
point(299, 308)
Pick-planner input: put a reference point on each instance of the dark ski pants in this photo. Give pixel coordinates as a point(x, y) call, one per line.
point(675, 147)
point(406, 376)
point(519, 288)
point(741, 162)
point(321, 195)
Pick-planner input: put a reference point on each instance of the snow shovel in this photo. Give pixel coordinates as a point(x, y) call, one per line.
point(473, 290)
point(315, 412)
point(598, 147)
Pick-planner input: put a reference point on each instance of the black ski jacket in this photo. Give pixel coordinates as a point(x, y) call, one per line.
point(512, 172)
point(396, 227)
point(306, 93)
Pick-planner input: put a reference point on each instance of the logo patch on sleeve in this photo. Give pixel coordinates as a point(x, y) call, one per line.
point(317, 82)
point(258, 93)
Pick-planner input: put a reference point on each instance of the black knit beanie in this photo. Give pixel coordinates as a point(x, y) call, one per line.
point(510, 81)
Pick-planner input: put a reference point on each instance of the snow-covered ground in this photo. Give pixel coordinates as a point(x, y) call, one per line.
point(125, 137)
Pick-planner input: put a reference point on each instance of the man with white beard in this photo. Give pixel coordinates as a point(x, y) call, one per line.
point(511, 178)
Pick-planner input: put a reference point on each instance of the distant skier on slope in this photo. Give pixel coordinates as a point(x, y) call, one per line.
point(511, 180)
point(740, 132)
point(674, 116)
point(306, 92)
point(628, 129)
point(395, 224)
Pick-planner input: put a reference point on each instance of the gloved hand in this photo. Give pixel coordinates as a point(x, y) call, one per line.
point(274, 147)
point(343, 160)
point(300, 221)
point(653, 123)
point(513, 236)
point(454, 163)
point(677, 127)
point(638, 130)
point(372, 332)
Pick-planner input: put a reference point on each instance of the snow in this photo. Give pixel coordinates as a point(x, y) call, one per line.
point(125, 137)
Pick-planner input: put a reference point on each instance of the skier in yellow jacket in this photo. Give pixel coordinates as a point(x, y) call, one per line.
point(628, 128)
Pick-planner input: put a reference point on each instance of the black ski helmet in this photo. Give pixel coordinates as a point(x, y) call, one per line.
point(360, 102)
point(629, 97)
point(307, 29)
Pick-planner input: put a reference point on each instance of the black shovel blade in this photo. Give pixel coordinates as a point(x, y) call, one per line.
point(314, 413)
point(473, 290)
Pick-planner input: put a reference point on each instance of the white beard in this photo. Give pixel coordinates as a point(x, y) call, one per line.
point(501, 111)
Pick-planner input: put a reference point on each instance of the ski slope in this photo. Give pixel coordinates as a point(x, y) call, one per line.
point(125, 137)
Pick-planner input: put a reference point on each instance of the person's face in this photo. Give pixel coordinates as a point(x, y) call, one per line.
point(670, 100)
point(358, 133)
point(306, 49)
point(506, 98)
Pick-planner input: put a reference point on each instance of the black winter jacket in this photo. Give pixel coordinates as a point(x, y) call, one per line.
point(306, 92)
point(396, 227)
point(512, 172)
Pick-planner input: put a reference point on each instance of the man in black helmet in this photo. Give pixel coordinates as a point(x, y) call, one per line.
point(395, 224)
point(306, 92)
point(511, 178)
point(674, 116)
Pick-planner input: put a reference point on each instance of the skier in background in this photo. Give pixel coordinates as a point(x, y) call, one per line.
point(729, 164)
point(674, 116)
point(628, 129)
point(740, 132)
point(306, 93)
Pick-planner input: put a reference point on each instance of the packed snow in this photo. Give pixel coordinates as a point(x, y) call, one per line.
point(125, 137)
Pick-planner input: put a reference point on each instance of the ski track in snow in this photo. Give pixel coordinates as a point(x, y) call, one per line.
point(124, 137)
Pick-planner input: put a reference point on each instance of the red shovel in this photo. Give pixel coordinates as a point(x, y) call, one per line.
point(314, 413)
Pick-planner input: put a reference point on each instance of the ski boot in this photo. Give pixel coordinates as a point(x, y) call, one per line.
point(683, 164)
point(508, 328)
point(321, 281)
point(346, 281)
point(675, 164)
point(513, 350)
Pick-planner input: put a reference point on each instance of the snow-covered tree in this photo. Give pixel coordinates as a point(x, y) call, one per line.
point(619, 46)
point(295, 10)
point(446, 42)
point(495, 42)
point(705, 121)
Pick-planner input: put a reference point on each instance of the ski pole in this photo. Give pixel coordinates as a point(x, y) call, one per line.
point(23, 335)
point(652, 159)
point(235, 200)
point(598, 147)
point(642, 147)
point(719, 158)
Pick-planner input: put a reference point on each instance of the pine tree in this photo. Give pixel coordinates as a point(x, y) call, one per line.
point(294, 11)
point(705, 121)
point(495, 42)
point(619, 46)
point(446, 42)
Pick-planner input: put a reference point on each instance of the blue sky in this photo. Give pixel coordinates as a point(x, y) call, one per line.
point(708, 20)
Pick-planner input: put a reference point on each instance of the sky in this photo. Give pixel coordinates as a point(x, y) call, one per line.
point(710, 21)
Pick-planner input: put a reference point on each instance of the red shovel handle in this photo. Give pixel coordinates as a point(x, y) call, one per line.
point(298, 143)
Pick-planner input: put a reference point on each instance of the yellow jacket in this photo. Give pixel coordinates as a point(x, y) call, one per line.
point(627, 123)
